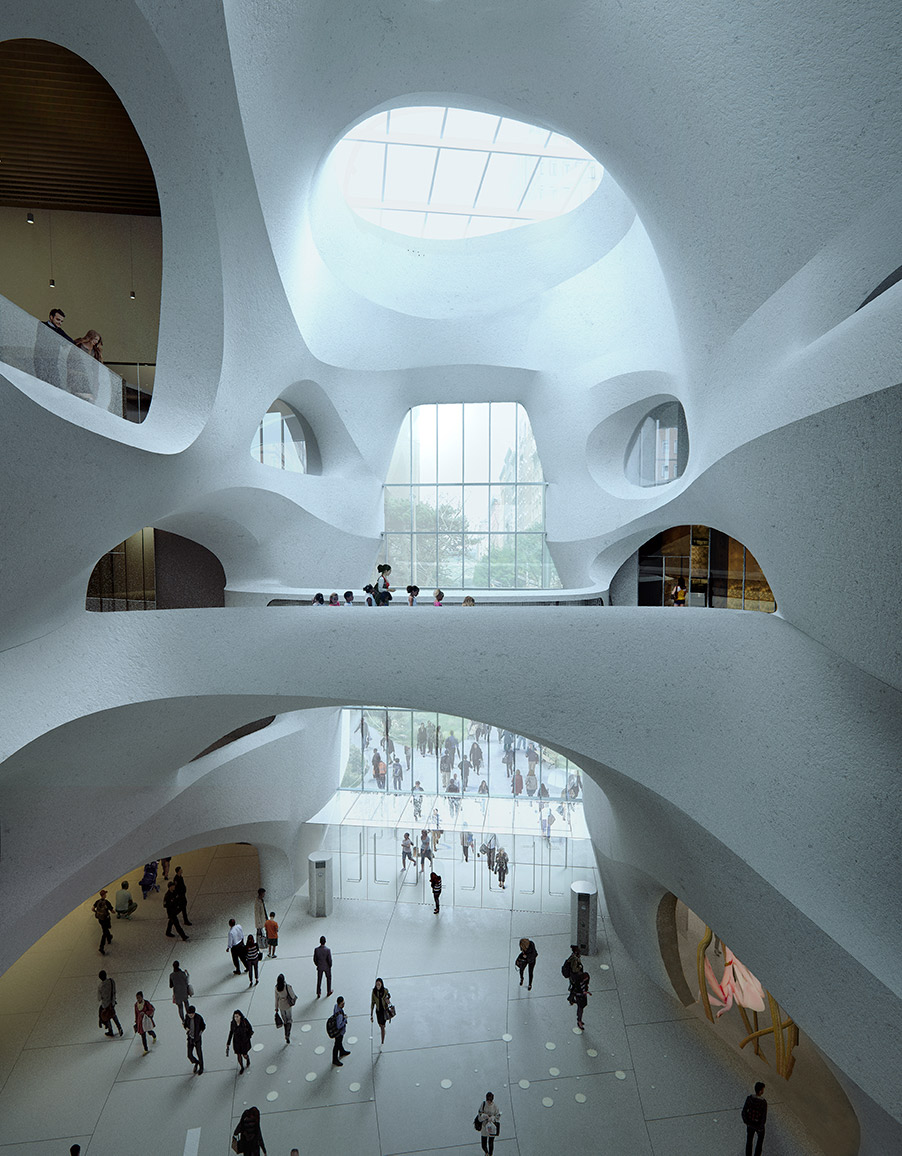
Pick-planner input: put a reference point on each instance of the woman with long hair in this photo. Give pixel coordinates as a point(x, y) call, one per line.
point(240, 1032)
point(247, 1136)
point(380, 1003)
point(285, 1001)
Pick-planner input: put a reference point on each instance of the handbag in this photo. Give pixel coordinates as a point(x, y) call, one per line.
point(476, 1123)
point(235, 1147)
point(190, 989)
point(292, 998)
point(391, 1013)
point(278, 1020)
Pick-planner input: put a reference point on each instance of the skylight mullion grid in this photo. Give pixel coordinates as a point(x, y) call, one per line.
point(535, 169)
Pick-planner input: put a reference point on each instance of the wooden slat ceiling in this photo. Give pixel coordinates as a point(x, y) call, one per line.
point(66, 142)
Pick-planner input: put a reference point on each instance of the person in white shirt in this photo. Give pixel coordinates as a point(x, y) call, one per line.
point(236, 945)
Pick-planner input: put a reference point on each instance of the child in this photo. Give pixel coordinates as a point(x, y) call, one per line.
point(438, 597)
point(349, 598)
point(272, 934)
point(412, 593)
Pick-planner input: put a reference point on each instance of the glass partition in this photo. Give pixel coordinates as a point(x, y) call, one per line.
point(700, 566)
point(398, 750)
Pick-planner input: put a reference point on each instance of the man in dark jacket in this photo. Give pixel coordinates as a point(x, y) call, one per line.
point(754, 1116)
point(195, 1028)
point(172, 903)
point(322, 960)
point(182, 892)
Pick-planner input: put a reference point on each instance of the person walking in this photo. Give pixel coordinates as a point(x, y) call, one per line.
point(181, 989)
point(464, 766)
point(182, 892)
point(421, 739)
point(336, 1026)
point(517, 784)
point(125, 905)
point(235, 945)
point(579, 994)
point(272, 935)
point(501, 865)
point(194, 1029)
point(260, 916)
point(425, 849)
point(491, 846)
point(488, 1119)
point(573, 962)
point(754, 1116)
point(106, 996)
point(172, 906)
point(435, 882)
point(285, 1001)
point(476, 757)
point(466, 842)
point(322, 961)
point(526, 959)
point(380, 1003)
point(252, 961)
point(247, 1137)
point(532, 783)
point(417, 791)
point(240, 1032)
point(407, 852)
point(103, 913)
point(144, 1013)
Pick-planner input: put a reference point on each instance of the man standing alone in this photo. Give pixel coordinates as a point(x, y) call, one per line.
point(754, 1116)
point(322, 958)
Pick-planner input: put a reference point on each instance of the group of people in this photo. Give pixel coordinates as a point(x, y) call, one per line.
point(381, 594)
point(91, 343)
point(496, 857)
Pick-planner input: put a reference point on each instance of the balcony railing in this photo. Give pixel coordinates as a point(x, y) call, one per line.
point(34, 348)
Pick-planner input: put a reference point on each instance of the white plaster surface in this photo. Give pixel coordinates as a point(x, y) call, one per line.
point(749, 764)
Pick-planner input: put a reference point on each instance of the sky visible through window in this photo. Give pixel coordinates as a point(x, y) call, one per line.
point(450, 173)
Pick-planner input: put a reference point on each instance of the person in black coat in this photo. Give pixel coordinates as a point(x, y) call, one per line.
point(754, 1116)
point(195, 1028)
point(173, 906)
point(526, 959)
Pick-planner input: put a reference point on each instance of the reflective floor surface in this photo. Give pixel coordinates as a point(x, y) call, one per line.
point(643, 1080)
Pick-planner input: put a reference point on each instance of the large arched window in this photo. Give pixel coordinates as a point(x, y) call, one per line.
point(465, 500)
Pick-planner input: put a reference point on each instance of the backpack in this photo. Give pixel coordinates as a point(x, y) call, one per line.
point(332, 1027)
point(566, 969)
point(751, 1112)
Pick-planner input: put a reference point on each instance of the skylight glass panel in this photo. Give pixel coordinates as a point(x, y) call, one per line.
point(408, 174)
point(472, 173)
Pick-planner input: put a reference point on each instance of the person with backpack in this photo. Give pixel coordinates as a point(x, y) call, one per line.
point(336, 1026)
point(573, 962)
point(754, 1116)
point(103, 913)
point(285, 1001)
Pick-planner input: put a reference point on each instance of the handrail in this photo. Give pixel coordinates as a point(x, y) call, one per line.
point(34, 348)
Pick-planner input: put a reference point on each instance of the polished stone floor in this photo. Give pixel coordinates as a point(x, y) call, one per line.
point(643, 1080)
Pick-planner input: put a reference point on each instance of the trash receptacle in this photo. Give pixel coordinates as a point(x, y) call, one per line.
point(584, 916)
point(319, 868)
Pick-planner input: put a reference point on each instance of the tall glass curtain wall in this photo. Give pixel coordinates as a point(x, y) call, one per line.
point(125, 579)
point(465, 500)
point(716, 570)
point(432, 748)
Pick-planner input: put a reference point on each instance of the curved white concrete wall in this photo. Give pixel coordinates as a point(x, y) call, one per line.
point(758, 211)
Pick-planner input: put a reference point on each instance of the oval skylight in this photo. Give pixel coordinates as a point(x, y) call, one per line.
point(450, 173)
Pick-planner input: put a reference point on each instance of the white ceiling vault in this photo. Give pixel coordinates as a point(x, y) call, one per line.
point(749, 204)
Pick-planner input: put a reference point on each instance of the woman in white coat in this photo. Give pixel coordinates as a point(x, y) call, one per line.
point(489, 1116)
point(285, 1001)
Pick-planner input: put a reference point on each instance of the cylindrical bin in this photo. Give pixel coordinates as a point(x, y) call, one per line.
point(319, 869)
point(584, 916)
